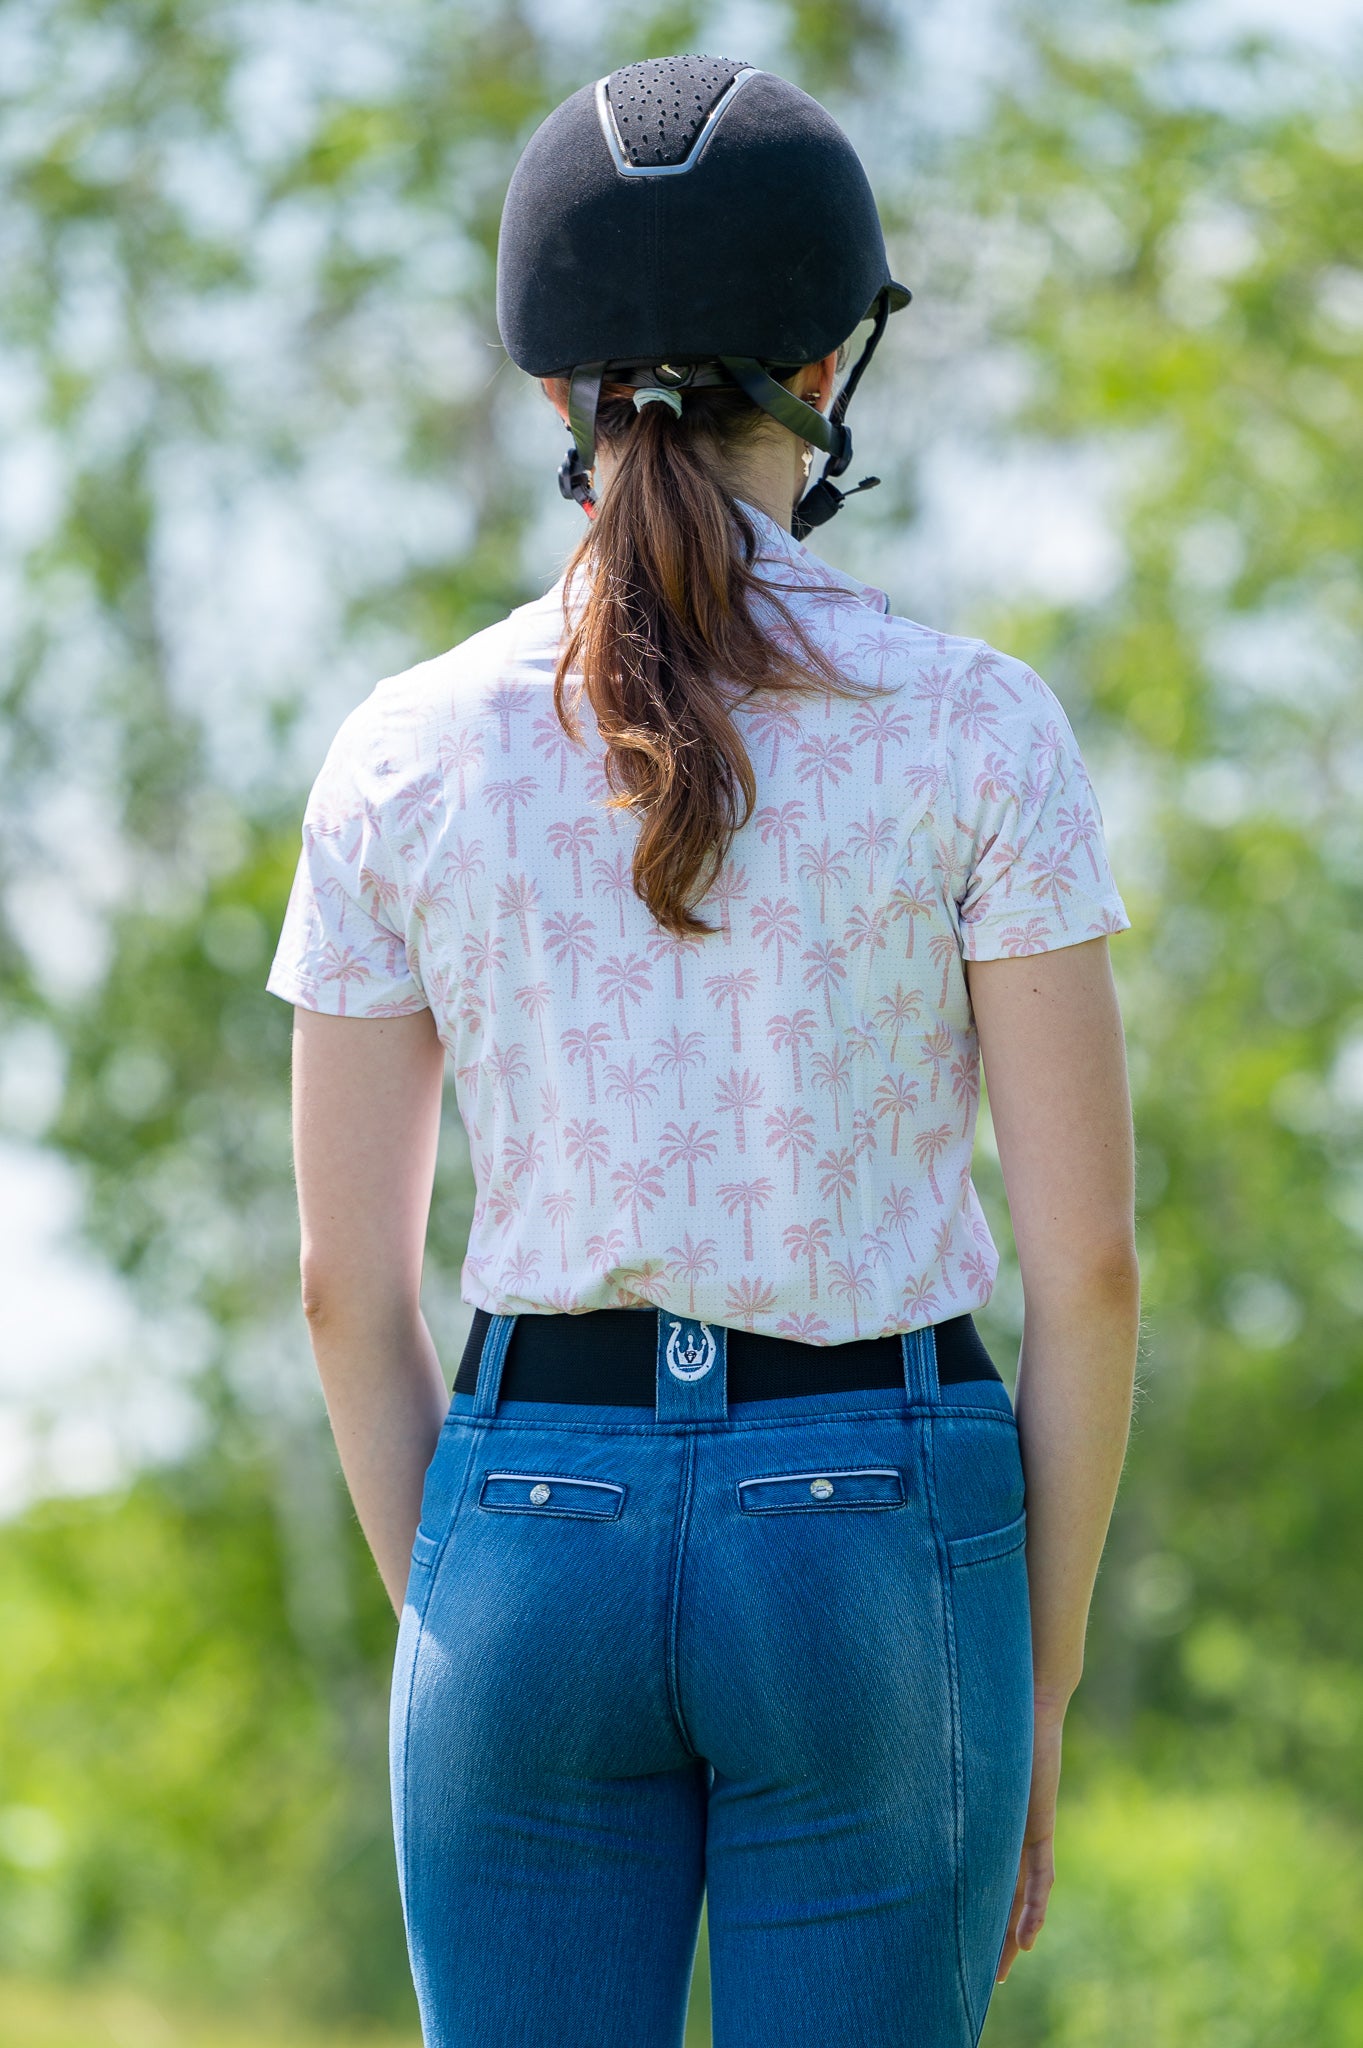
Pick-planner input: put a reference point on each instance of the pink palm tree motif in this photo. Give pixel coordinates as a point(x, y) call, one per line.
point(616, 877)
point(686, 1148)
point(1051, 875)
point(521, 1271)
point(750, 1298)
point(1050, 747)
point(739, 1096)
point(867, 927)
point(913, 900)
point(862, 1041)
point(504, 796)
point(507, 1064)
point(460, 751)
point(776, 923)
point(883, 726)
point(517, 897)
point(637, 1184)
point(420, 801)
point(1017, 939)
point(429, 900)
point(894, 1012)
point(377, 893)
point(605, 1249)
point(978, 1271)
point(588, 1144)
point(871, 838)
point(939, 686)
point(746, 1195)
point(661, 943)
point(691, 1262)
point(570, 935)
point(851, 1282)
point(898, 1210)
point(922, 780)
point(832, 1072)
point(641, 1284)
point(974, 715)
point(678, 1051)
point(551, 740)
point(332, 888)
point(463, 862)
point(896, 1098)
point(827, 965)
point(937, 1046)
point(821, 865)
point(343, 966)
point(803, 1329)
point(732, 988)
point(965, 1087)
point(823, 758)
point(503, 1203)
point(633, 1084)
point(808, 1241)
point(941, 1249)
point(996, 783)
point(502, 702)
point(927, 1148)
point(944, 953)
point(864, 1135)
point(1105, 926)
point(533, 999)
point(551, 1110)
point(573, 836)
point(524, 1157)
point(788, 1034)
point(621, 978)
point(587, 1042)
point(780, 822)
point(791, 1132)
point(483, 954)
point(558, 1206)
point(837, 1176)
point(986, 666)
point(729, 887)
point(773, 719)
point(918, 1300)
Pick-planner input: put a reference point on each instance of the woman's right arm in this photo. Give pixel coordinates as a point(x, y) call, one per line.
point(1054, 1060)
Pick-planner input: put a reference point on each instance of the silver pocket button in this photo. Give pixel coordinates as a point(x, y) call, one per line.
point(822, 1489)
point(539, 1495)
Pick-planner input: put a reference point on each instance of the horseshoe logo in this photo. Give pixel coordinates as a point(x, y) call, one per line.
point(690, 1360)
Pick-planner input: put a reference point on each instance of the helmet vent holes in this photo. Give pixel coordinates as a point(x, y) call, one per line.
point(661, 107)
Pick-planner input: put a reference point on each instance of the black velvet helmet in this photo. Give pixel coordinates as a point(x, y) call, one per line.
point(692, 221)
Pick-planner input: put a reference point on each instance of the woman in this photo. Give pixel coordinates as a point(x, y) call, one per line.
point(715, 880)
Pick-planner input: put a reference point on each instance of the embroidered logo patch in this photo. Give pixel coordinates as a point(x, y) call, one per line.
point(690, 1357)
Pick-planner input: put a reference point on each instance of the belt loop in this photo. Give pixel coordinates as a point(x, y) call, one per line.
point(693, 1361)
point(920, 1366)
point(490, 1366)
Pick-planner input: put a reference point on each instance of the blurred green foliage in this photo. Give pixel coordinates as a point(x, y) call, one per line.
point(249, 267)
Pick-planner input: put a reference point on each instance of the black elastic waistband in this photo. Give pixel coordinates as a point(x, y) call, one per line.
point(609, 1356)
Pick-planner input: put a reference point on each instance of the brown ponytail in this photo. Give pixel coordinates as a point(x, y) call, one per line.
point(668, 639)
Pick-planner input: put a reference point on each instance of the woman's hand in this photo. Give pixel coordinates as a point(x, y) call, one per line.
point(1036, 1872)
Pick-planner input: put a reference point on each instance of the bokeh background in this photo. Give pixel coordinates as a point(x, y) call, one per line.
point(258, 447)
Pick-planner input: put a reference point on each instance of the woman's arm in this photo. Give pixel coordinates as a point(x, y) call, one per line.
point(1054, 1060)
point(366, 1121)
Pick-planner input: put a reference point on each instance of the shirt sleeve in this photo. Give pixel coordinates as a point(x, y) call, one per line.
point(1034, 855)
point(343, 949)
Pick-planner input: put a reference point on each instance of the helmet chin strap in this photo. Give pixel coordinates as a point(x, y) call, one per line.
point(828, 433)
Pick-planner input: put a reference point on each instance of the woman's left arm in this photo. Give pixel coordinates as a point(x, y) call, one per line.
point(366, 1123)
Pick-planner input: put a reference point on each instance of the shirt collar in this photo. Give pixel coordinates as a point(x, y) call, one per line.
point(780, 555)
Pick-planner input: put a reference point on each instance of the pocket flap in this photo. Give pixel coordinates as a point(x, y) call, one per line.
point(549, 1493)
point(868, 1486)
point(964, 1550)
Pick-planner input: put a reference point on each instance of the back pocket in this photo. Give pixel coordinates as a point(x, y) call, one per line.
point(994, 1543)
point(866, 1486)
point(549, 1493)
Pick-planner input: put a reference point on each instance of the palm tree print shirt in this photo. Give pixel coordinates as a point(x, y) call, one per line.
point(770, 1127)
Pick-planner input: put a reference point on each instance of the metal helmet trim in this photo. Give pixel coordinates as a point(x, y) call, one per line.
point(606, 115)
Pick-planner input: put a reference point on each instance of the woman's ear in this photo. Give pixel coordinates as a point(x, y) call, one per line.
point(820, 382)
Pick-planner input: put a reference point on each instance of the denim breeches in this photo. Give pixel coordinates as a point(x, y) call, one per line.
point(774, 1653)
